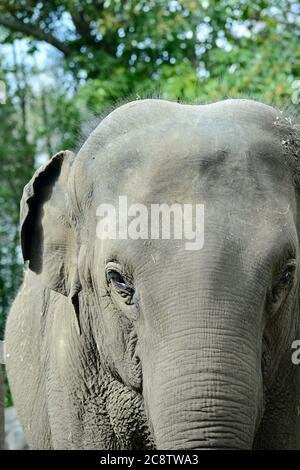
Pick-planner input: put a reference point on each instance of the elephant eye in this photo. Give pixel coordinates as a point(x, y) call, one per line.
point(117, 280)
point(284, 280)
point(288, 273)
point(286, 277)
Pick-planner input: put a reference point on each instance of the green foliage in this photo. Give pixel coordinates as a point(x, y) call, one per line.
point(17, 158)
point(65, 60)
point(122, 48)
point(8, 398)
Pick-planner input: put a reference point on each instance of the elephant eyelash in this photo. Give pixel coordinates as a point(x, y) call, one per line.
point(122, 281)
point(283, 280)
point(286, 261)
point(123, 269)
point(116, 279)
point(285, 267)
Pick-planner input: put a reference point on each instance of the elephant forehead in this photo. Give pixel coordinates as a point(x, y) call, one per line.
point(177, 159)
point(151, 116)
point(141, 112)
point(154, 147)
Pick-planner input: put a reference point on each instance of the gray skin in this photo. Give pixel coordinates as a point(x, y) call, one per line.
point(182, 349)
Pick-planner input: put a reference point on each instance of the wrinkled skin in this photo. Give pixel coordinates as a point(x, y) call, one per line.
point(200, 355)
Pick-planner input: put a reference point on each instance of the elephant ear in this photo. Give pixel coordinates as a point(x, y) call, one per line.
point(48, 238)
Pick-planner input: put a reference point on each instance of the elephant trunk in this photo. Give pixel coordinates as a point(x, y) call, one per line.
point(205, 387)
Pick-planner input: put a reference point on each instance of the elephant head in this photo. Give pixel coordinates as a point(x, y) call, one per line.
point(152, 344)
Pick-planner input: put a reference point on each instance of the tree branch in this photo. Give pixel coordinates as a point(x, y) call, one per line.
point(82, 27)
point(20, 27)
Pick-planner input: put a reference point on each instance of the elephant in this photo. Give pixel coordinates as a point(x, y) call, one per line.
point(140, 343)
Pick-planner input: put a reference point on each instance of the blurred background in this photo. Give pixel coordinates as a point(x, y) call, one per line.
point(63, 62)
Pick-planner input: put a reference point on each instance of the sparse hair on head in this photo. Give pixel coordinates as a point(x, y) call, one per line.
point(290, 115)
